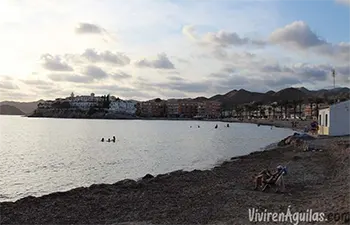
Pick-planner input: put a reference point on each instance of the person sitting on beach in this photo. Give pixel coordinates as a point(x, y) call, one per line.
point(266, 177)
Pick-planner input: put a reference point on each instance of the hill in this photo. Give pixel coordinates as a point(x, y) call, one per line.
point(10, 110)
point(242, 96)
point(25, 107)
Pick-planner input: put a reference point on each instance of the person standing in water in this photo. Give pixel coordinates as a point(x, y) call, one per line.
point(113, 139)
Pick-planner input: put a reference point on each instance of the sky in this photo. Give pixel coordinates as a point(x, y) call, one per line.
point(144, 49)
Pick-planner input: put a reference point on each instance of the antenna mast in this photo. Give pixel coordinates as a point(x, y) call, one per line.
point(333, 75)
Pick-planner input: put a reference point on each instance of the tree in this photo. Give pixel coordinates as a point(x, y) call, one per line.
point(318, 101)
point(106, 101)
point(295, 105)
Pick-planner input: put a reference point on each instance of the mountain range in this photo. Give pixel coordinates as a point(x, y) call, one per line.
point(242, 96)
point(10, 110)
point(236, 97)
point(25, 107)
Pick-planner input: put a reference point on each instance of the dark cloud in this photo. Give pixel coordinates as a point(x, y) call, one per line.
point(308, 72)
point(95, 72)
point(162, 62)
point(93, 56)
point(88, 28)
point(276, 68)
point(281, 82)
point(54, 63)
point(67, 77)
point(175, 84)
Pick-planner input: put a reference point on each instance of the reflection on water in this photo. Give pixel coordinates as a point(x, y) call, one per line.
point(40, 156)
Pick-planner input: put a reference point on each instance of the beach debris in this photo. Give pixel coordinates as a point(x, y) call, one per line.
point(295, 139)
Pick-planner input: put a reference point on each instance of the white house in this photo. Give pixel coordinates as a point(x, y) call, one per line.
point(335, 120)
point(121, 106)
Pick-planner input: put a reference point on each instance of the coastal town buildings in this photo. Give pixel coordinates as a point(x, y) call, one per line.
point(188, 108)
point(334, 120)
point(172, 107)
point(153, 108)
point(84, 103)
point(122, 106)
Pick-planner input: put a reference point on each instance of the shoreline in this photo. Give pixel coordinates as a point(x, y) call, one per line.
point(221, 194)
point(263, 122)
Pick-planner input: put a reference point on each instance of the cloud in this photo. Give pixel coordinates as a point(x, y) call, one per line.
point(162, 62)
point(6, 78)
point(126, 92)
point(120, 75)
point(221, 38)
point(95, 72)
point(93, 56)
point(54, 63)
point(298, 34)
point(88, 28)
point(175, 78)
point(68, 77)
point(36, 82)
point(309, 72)
point(8, 85)
point(344, 2)
point(281, 81)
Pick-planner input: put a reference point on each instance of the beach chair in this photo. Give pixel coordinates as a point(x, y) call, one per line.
point(276, 181)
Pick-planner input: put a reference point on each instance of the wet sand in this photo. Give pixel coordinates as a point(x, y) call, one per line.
point(315, 180)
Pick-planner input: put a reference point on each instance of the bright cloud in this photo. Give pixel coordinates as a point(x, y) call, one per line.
point(146, 48)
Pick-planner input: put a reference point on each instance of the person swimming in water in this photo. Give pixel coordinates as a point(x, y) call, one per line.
point(109, 140)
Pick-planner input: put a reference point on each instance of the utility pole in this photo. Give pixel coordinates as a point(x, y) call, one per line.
point(333, 75)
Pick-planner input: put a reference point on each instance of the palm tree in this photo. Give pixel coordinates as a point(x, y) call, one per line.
point(270, 111)
point(318, 101)
point(295, 105)
point(285, 104)
point(311, 102)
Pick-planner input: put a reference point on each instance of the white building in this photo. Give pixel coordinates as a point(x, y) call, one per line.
point(84, 102)
point(335, 120)
point(121, 106)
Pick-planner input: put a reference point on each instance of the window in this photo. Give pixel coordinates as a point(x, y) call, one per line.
point(320, 120)
point(326, 120)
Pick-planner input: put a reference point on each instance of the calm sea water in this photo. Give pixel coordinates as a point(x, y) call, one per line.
point(39, 156)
